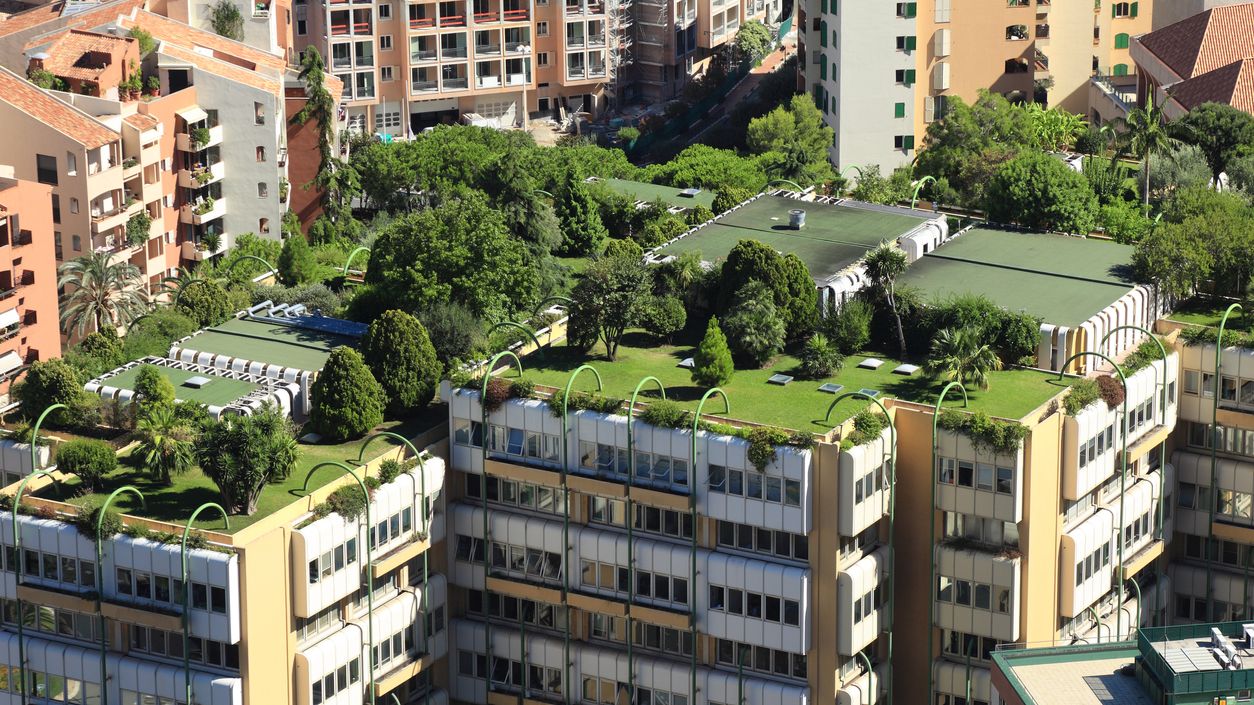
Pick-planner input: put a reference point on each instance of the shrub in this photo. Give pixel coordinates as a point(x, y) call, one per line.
point(664, 413)
point(153, 389)
point(207, 303)
point(754, 326)
point(729, 197)
point(819, 358)
point(49, 382)
point(1082, 393)
point(987, 434)
point(762, 443)
point(849, 327)
point(348, 501)
point(867, 426)
point(583, 401)
point(498, 392)
point(664, 316)
point(712, 363)
point(403, 360)
point(87, 459)
point(347, 401)
point(87, 517)
point(1145, 355)
point(389, 470)
point(454, 330)
point(297, 264)
point(1111, 390)
point(629, 249)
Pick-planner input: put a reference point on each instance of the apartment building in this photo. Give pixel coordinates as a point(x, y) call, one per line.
point(882, 74)
point(28, 278)
point(267, 24)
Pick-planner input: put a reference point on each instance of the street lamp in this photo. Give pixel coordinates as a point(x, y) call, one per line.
point(187, 620)
point(931, 513)
point(104, 639)
point(918, 186)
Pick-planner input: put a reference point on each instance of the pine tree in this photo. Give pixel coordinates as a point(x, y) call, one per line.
point(399, 353)
point(712, 363)
point(297, 264)
point(582, 229)
point(347, 401)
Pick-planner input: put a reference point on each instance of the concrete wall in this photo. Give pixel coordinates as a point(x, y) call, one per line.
point(29, 206)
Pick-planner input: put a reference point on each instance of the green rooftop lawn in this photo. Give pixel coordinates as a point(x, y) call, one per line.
point(175, 503)
point(1064, 280)
point(271, 343)
point(798, 405)
point(1209, 312)
point(651, 192)
point(219, 392)
point(833, 238)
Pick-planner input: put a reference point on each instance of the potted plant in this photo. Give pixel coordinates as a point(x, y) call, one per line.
point(154, 86)
point(200, 137)
point(203, 207)
point(211, 241)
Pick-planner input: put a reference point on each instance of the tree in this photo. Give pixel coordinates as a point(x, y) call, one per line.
point(1038, 191)
point(800, 304)
point(529, 216)
point(848, 327)
point(165, 446)
point(1054, 129)
point(297, 264)
point(1173, 258)
point(347, 400)
point(1144, 133)
point(883, 265)
point(627, 249)
point(105, 345)
point(49, 382)
point(226, 20)
point(819, 358)
point(401, 358)
point(798, 138)
point(153, 389)
point(729, 197)
point(712, 362)
point(754, 327)
point(320, 107)
point(664, 316)
point(460, 251)
point(1220, 131)
point(874, 188)
point(753, 41)
point(1123, 221)
point(610, 297)
point(958, 355)
point(88, 459)
point(704, 167)
point(792, 288)
point(207, 303)
point(969, 142)
point(582, 229)
point(146, 43)
point(241, 454)
point(454, 330)
point(99, 292)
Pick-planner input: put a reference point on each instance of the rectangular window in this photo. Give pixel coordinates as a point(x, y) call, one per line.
point(46, 168)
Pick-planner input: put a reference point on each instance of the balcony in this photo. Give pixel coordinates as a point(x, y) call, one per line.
point(456, 84)
point(261, 10)
point(202, 212)
point(423, 55)
point(420, 87)
point(185, 142)
point(488, 80)
point(585, 8)
point(1042, 7)
point(197, 252)
point(106, 221)
point(487, 49)
point(201, 175)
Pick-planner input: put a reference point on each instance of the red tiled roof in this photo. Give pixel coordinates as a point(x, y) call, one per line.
point(190, 37)
point(141, 122)
point(1231, 85)
point(47, 14)
point(76, 125)
point(270, 84)
point(1206, 41)
point(74, 54)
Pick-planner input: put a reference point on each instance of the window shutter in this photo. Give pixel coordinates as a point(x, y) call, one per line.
point(1134, 8)
point(833, 6)
point(1114, 10)
point(907, 142)
point(1121, 41)
point(911, 43)
point(909, 77)
point(823, 33)
point(823, 6)
point(823, 71)
point(899, 110)
point(912, 9)
point(929, 109)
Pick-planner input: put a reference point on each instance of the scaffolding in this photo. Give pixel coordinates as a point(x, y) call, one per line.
point(620, 40)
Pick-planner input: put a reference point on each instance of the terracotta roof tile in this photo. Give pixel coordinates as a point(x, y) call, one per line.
point(190, 37)
point(271, 84)
point(50, 13)
point(1206, 41)
point(141, 122)
point(76, 125)
point(74, 54)
point(1231, 85)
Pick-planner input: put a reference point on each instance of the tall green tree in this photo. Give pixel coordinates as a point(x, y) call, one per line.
point(1174, 259)
point(1038, 191)
point(753, 326)
point(967, 144)
point(582, 229)
point(960, 355)
point(207, 303)
point(242, 454)
point(320, 107)
point(1144, 133)
point(1221, 131)
point(297, 263)
point(99, 293)
point(712, 362)
point(797, 138)
point(610, 297)
point(165, 444)
point(883, 265)
point(786, 276)
point(347, 400)
point(399, 354)
point(153, 389)
point(753, 41)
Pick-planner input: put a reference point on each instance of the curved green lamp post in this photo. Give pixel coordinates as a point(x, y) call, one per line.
point(692, 510)
point(1162, 402)
point(570, 382)
point(870, 676)
point(931, 513)
point(352, 255)
point(549, 299)
point(104, 637)
point(513, 324)
point(542, 192)
point(1123, 477)
point(485, 440)
point(852, 167)
point(369, 556)
point(1097, 619)
point(631, 562)
point(892, 522)
point(425, 533)
point(34, 433)
point(1215, 439)
point(187, 620)
point(234, 263)
point(17, 569)
point(918, 186)
point(794, 184)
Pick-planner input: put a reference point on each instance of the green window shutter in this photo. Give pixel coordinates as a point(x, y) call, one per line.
point(1121, 40)
point(833, 70)
point(1114, 11)
point(833, 6)
point(912, 9)
point(823, 33)
point(911, 43)
point(907, 142)
point(824, 6)
point(833, 37)
point(1121, 69)
point(899, 110)
point(909, 77)
point(823, 71)
point(1134, 8)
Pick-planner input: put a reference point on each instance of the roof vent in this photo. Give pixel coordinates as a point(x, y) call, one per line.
point(796, 218)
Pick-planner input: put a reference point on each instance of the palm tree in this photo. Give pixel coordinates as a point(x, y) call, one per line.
point(958, 355)
point(165, 447)
point(100, 292)
point(883, 265)
point(1143, 133)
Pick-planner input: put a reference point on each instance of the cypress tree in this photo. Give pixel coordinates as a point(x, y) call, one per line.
point(347, 401)
point(400, 355)
point(582, 228)
point(712, 361)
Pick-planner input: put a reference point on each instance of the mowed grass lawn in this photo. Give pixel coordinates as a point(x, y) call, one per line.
point(176, 502)
point(798, 405)
point(1209, 313)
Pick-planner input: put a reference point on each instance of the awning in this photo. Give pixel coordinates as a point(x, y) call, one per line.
point(9, 318)
point(10, 361)
point(192, 115)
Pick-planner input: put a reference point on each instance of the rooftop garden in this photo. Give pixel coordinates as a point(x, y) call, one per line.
point(1208, 312)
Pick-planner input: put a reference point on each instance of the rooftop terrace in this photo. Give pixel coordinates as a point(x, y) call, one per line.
point(1064, 280)
point(651, 192)
point(220, 391)
point(799, 405)
point(834, 236)
point(269, 342)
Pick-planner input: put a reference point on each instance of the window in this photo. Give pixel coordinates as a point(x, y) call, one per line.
point(46, 168)
point(263, 189)
point(259, 116)
point(77, 243)
point(1123, 9)
point(385, 11)
point(904, 76)
point(903, 142)
point(385, 42)
point(542, 29)
point(907, 9)
point(71, 164)
point(542, 60)
point(386, 73)
point(907, 43)
point(899, 110)
point(261, 153)
point(1121, 40)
